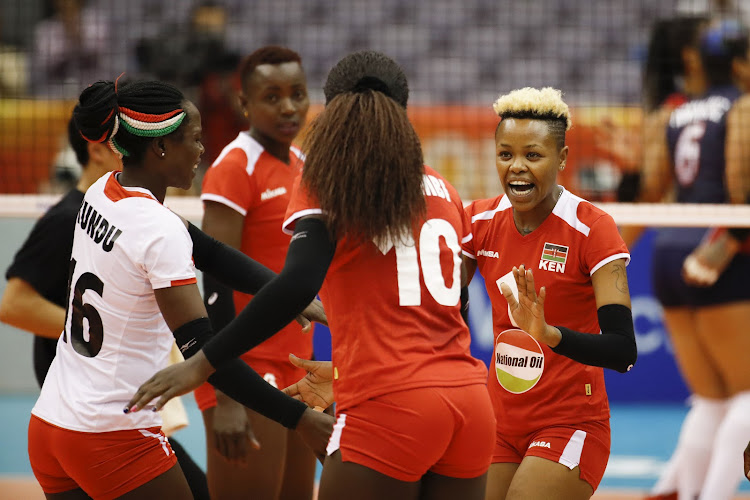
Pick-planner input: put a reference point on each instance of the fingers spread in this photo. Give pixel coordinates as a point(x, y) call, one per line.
point(508, 294)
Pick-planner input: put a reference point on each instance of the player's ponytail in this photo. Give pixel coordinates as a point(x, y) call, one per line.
point(96, 114)
point(363, 158)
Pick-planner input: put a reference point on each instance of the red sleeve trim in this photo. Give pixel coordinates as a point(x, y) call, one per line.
point(189, 281)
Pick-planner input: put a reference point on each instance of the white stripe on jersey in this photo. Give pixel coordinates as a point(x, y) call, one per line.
point(567, 209)
point(503, 204)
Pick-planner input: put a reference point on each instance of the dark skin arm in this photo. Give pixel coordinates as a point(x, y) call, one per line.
point(181, 304)
point(234, 434)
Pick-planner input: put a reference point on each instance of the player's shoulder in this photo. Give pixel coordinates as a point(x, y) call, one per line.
point(578, 213)
point(243, 152)
point(436, 185)
point(487, 209)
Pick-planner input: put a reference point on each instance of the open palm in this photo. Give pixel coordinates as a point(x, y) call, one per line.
point(528, 310)
point(316, 388)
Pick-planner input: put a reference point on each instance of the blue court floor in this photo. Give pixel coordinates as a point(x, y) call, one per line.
point(643, 437)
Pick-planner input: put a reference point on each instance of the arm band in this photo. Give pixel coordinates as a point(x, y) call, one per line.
point(226, 264)
point(615, 348)
point(629, 186)
point(219, 301)
point(308, 257)
point(238, 381)
point(465, 304)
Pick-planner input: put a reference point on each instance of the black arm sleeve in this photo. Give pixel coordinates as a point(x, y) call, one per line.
point(310, 253)
point(219, 302)
point(615, 348)
point(228, 265)
point(240, 382)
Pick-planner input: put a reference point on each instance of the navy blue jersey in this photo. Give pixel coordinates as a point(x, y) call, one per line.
point(696, 135)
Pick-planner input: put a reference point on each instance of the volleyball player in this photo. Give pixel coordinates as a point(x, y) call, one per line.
point(245, 195)
point(701, 156)
point(546, 382)
point(132, 280)
point(548, 258)
point(413, 415)
point(34, 298)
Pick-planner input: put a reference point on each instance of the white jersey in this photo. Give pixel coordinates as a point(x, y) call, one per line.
point(126, 245)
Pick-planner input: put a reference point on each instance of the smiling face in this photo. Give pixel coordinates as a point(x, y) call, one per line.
point(275, 99)
point(184, 149)
point(528, 158)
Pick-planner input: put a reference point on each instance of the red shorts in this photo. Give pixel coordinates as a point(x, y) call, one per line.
point(104, 464)
point(585, 445)
point(405, 434)
point(279, 374)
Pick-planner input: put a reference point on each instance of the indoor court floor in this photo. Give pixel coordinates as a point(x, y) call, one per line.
point(642, 438)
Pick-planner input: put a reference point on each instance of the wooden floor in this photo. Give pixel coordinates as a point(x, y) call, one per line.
point(28, 489)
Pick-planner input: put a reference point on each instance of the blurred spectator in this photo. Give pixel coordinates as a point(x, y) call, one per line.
point(12, 69)
point(70, 50)
point(198, 61)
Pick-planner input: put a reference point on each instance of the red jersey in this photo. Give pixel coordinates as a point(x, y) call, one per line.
point(394, 311)
point(531, 386)
point(248, 179)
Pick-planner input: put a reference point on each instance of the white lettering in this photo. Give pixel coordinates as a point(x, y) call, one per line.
point(542, 444)
point(711, 109)
point(488, 253)
point(272, 193)
point(432, 186)
point(547, 265)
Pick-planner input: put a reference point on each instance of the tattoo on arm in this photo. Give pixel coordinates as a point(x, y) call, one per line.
point(621, 278)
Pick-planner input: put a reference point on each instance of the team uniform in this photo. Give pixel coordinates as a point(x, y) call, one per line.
point(696, 135)
point(248, 179)
point(547, 405)
point(126, 245)
point(43, 261)
point(410, 398)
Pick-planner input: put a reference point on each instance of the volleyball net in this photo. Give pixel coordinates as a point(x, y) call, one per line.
point(624, 214)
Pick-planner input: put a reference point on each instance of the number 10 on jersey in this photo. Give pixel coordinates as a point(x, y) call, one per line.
point(410, 262)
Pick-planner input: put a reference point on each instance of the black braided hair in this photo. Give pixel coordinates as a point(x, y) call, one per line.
point(77, 142)
point(365, 70)
point(101, 103)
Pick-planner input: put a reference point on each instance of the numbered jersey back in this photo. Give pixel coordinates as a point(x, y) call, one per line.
point(393, 308)
point(126, 244)
point(696, 135)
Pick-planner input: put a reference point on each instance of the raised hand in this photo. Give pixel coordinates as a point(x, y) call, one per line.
point(316, 388)
point(528, 310)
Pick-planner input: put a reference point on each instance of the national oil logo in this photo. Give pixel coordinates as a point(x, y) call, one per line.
point(519, 361)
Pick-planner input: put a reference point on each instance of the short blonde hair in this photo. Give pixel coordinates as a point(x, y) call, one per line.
point(539, 104)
